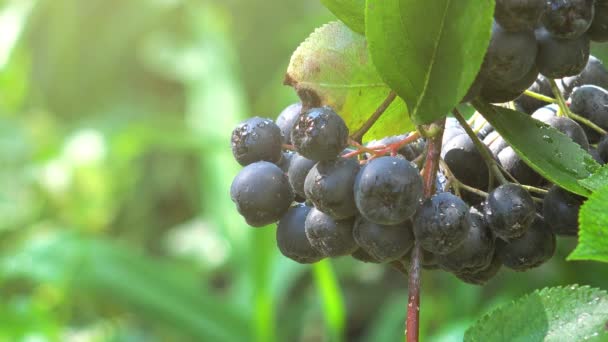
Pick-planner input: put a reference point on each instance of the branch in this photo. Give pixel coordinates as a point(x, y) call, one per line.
point(358, 135)
point(431, 166)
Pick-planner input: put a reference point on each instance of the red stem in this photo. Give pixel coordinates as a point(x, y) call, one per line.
point(431, 165)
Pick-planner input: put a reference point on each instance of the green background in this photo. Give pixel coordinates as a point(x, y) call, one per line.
point(115, 165)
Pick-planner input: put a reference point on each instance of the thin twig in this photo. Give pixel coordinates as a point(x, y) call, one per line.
point(358, 135)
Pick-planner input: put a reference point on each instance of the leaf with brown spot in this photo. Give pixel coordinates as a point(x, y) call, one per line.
point(332, 67)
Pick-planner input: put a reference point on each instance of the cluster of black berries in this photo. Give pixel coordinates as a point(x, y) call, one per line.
point(550, 37)
point(329, 204)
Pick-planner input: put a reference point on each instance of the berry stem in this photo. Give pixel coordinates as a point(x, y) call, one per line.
point(358, 135)
point(535, 189)
point(458, 184)
point(485, 154)
point(561, 102)
point(587, 122)
point(431, 165)
point(539, 97)
point(565, 110)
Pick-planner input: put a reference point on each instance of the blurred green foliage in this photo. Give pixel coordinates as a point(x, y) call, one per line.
point(115, 164)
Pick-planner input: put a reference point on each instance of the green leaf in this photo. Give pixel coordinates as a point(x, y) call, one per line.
point(331, 297)
point(597, 180)
point(159, 291)
point(593, 233)
point(350, 12)
point(546, 150)
point(429, 52)
point(332, 67)
point(571, 313)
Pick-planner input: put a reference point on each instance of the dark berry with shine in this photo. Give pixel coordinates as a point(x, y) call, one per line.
point(261, 193)
point(500, 92)
point(329, 186)
point(441, 224)
point(331, 237)
point(285, 161)
point(591, 102)
point(291, 236)
point(481, 277)
point(297, 172)
point(383, 243)
point(465, 161)
point(388, 190)
point(519, 15)
point(320, 134)
point(256, 139)
point(517, 168)
point(509, 211)
point(287, 119)
point(602, 149)
point(560, 210)
point(476, 251)
point(510, 56)
point(532, 249)
point(594, 73)
point(363, 256)
point(598, 32)
point(568, 19)
point(558, 57)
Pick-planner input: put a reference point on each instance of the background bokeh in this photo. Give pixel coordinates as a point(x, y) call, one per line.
point(115, 165)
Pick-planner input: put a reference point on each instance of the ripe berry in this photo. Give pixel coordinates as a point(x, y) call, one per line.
point(518, 15)
point(596, 154)
point(297, 172)
point(481, 277)
point(602, 149)
point(287, 119)
point(568, 19)
point(363, 256)
point(559, 58)
point(291, 236)
point(545, 113)
point(500, 92)
point(510, 56)
point(517, 168)
point(383, 243)
point(591, 102)
point(465, 161)
point(530, 250)
point(285, 161)
point(509, 211)
point(320, 134)
point(476, 251)
point(441, 224)
point(331, 237)
point(560, 210)
point(329, 186)
point(388, 190)
point(598, 32)
point(594, 73)
point(262, 193)
point(256, 139)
